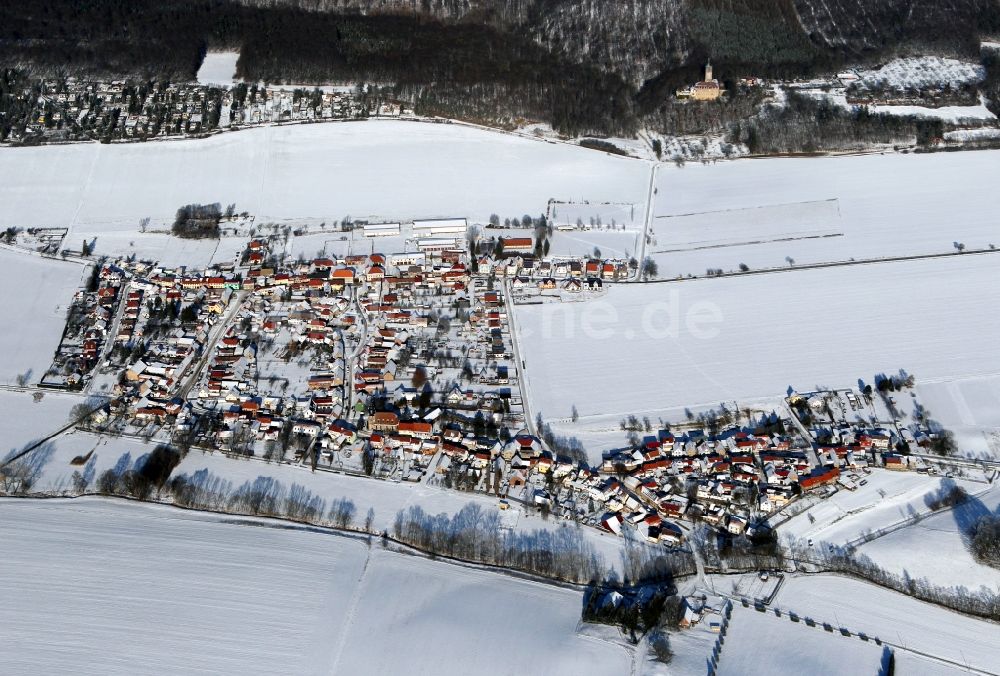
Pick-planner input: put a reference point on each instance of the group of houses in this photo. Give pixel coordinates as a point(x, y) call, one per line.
point(77, 109)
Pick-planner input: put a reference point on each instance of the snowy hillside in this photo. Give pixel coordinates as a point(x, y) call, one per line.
point(922, 71)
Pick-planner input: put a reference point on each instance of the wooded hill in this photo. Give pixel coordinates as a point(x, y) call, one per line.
point(587, 66)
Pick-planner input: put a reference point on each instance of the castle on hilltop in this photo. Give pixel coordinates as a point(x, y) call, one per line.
point(708, 89)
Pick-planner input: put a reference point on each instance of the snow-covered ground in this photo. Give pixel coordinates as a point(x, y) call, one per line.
point(922, 71)
point(964, 135)
point(218, 68)
point(762, 212)
point(650, 349)
point(970, 408)
point(887, 498)
point(53, 467)
point(168, 250)
point(950, 114)
point(37, 293)
point(892, 617)
point(308, 174)
point(29, 416)
point(911, 548)
point(435, 619)
point(112, 588)
point(756, 639)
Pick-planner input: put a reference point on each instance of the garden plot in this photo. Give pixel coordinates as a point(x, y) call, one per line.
point(597, 215)
point(888, 206)
point(167, 250)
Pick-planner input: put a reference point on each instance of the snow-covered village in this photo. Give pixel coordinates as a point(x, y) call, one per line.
point(401, 365)
point(500, 338)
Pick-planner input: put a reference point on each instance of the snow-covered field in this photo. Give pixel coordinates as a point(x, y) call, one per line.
point(218, 68)
point(970, 408)
point(308, 174)
point(112, 588)
point(900, 504)
point(762, 212)
point(37, 293)
point(434, 619)
point(862, 607)
point(52, 465)
point(756, 639)
point(25, 420)
point(911, 548)
point(887, 498)
point(922, 71)
point(651, 349)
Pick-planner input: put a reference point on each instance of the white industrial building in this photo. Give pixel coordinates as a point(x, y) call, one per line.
point(436, 243)
point(440, 227)
point(404, 259)
point(381, 229)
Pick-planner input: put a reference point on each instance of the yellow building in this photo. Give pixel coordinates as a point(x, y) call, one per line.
point(708, 89)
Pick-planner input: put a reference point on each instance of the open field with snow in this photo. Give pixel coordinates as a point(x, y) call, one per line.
point(756, 639)
point(887, 498)
point(242, 599)
point(892, 617)
point(36, 296)
point(308, 173)
point(970, 408)
point(914, 547)
point(752, 337)
point(26, 420)
point(218, 68)
point(53, 470)
point(813, 210)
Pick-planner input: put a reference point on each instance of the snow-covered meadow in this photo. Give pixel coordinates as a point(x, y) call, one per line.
point(29, 416)
point(218, 68)
point(893, 617)
point(37, 293)
point(52, 467)
point(756, 639)
point(909, 548)
point(307, 174)
point(764, 212)
point(655, 349)
point(195, 593)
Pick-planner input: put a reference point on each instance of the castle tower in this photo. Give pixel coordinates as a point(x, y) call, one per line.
point(708, 72)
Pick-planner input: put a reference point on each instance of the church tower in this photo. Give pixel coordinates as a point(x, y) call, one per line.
point(708, 72)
